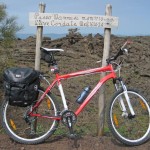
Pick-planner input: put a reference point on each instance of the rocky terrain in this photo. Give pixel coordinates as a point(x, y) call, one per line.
point(82, 52)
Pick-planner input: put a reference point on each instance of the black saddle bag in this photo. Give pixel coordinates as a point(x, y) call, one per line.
point(21, 86)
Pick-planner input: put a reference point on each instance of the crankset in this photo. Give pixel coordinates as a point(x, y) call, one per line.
point(68, 118)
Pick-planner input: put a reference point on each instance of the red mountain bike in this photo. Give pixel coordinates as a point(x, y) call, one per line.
point(128, 112)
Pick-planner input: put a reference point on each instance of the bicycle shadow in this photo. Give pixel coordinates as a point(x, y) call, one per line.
point(72, 143)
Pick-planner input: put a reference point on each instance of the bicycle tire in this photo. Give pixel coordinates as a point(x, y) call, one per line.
point(13, 128)
point(124, 130)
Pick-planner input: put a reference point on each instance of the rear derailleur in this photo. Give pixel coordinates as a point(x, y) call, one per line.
point(28, 119)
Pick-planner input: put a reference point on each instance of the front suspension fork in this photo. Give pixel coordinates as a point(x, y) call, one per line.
point(121, 101)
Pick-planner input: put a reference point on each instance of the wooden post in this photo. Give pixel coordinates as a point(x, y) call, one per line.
point(101, 102)
point(39, 39)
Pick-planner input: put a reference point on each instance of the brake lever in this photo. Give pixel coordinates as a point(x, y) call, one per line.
point(99, 61)
point(110, 59)
point(127, 42)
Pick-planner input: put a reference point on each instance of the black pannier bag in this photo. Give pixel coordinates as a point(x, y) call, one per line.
point(21, 86)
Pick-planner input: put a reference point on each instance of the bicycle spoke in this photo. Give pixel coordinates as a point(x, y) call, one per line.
point(130, 129)
point(27, 129)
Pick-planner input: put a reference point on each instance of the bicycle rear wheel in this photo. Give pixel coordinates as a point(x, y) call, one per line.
point(30, 130)
point(129, 130)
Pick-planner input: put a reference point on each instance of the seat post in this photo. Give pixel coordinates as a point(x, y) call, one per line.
point(54, 69)
point(53, 64)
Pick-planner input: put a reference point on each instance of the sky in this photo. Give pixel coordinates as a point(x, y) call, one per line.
point(134, 15)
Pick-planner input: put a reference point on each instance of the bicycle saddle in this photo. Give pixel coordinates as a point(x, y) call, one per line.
point(52, 50)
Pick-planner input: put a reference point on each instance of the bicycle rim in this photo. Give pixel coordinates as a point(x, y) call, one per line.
point(36, 129)
point(130, 131)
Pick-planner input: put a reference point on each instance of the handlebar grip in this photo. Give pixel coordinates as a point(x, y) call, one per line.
point(120, 52)
point(127, 42)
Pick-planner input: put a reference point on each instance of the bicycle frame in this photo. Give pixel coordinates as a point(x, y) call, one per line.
point(111, 75)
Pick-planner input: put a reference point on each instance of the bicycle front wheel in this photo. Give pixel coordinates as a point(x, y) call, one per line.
point(30, 130)
point(127, 129)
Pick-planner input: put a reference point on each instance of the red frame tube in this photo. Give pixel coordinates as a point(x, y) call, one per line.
point(58, 79)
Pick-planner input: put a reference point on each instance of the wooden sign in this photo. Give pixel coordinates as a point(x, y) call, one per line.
point(74, 20)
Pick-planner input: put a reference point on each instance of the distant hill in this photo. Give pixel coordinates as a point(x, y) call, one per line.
point(52, 35)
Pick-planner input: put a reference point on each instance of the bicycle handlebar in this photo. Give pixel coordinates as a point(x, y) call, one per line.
point(127, 42)
point(120, 52)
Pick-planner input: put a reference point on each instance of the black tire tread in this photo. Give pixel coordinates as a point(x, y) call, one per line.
point(29, 142)
point(110, 124)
